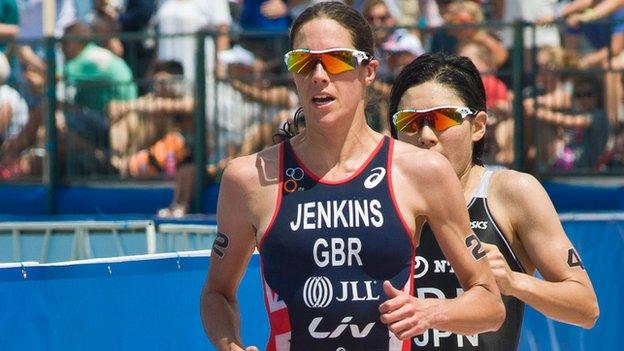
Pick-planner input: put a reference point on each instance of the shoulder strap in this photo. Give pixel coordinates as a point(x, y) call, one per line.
point(481, 191)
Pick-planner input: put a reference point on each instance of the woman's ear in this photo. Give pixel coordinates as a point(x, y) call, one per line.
point(371, 72)
point(479, 123)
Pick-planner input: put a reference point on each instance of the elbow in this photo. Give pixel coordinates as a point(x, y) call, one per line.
point(591, 316)
point(499, 315)
point(496, 315)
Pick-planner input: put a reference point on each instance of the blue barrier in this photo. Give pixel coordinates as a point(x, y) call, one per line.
point(152, 303)
point(70, 200)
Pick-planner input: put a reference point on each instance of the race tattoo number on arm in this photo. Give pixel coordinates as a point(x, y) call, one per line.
point(574, 260)
point(220, 244)
point(477, 250)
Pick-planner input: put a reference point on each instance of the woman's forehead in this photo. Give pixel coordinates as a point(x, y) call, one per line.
point(429, 94)
point(322, 33)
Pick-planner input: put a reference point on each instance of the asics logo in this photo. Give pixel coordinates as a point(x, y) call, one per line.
point(478, 225)
point(375, 178)
point(318, 292)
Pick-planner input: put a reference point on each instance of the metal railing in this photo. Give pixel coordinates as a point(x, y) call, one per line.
point(55, 241)
point(226, 116)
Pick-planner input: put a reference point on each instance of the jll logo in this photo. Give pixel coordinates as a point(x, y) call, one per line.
point(318, 292)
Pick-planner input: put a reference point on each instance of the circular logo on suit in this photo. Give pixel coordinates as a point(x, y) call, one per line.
point(318, 292)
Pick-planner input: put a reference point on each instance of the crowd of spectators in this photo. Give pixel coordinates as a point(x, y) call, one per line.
point(127, 78)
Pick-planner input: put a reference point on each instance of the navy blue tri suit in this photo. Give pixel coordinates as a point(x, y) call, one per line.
point(326, 254)
point(434, 277)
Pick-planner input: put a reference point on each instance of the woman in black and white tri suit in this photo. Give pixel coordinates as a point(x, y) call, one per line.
point(438, 103)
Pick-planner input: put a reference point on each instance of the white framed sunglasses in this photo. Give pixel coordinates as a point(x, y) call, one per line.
point(334, 61)
point(439, 118)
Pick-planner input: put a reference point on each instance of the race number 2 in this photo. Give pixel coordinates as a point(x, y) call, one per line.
point(477, 250)
point(220, 244)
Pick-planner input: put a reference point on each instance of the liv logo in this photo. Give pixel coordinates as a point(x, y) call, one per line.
point(355, 330)
point(375, 178)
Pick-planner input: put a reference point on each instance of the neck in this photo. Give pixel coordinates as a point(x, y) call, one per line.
point(336, 149)
point(469, 179)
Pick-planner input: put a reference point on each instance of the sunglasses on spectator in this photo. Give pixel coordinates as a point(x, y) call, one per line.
point(438, 118)
point(334, 61)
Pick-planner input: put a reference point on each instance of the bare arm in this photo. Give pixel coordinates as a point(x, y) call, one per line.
point(576, 6)
point(222, 43)
point(230, 255)
point(566, 293)
point(8, 31)
point(566, 120)
point(605, 8)
point(5, 117)
point(479, 308)
point(567, 10)
point(281, 96)
point(601, 10)
point(151, 104)
point(498, 50)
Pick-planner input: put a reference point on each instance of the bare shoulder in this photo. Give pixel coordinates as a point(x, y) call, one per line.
point(253, 171)
point(516, 187)
point(420, 163)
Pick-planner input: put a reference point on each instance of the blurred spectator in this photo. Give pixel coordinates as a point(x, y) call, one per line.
point(588, 106)
point(104, 25)
point(552, 88)
point(605, 38)
point(499, 139)
point(496, 92)
point(13, 108)
point(607, 41)
point(553, 108)
point(382, 21)
point(94, 75)
point(157, 123)
point(186, 17)
point(401, 48)
point(133, 17)
point(601, 10)
point(467, 13)
point(429, 13)
point(249, 110)
point(271, 18)
point(9, 23)
point(528, 11)
point(9, 29)
point(265, 15)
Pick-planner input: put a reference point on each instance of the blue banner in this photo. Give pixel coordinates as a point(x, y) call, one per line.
point(153, 303)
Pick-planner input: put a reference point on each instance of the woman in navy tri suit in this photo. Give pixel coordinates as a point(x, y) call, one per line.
point(438, 103)
point(335, 213)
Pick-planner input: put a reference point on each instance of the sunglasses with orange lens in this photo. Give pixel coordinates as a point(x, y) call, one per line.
point(439, 118)
point(334, 61)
